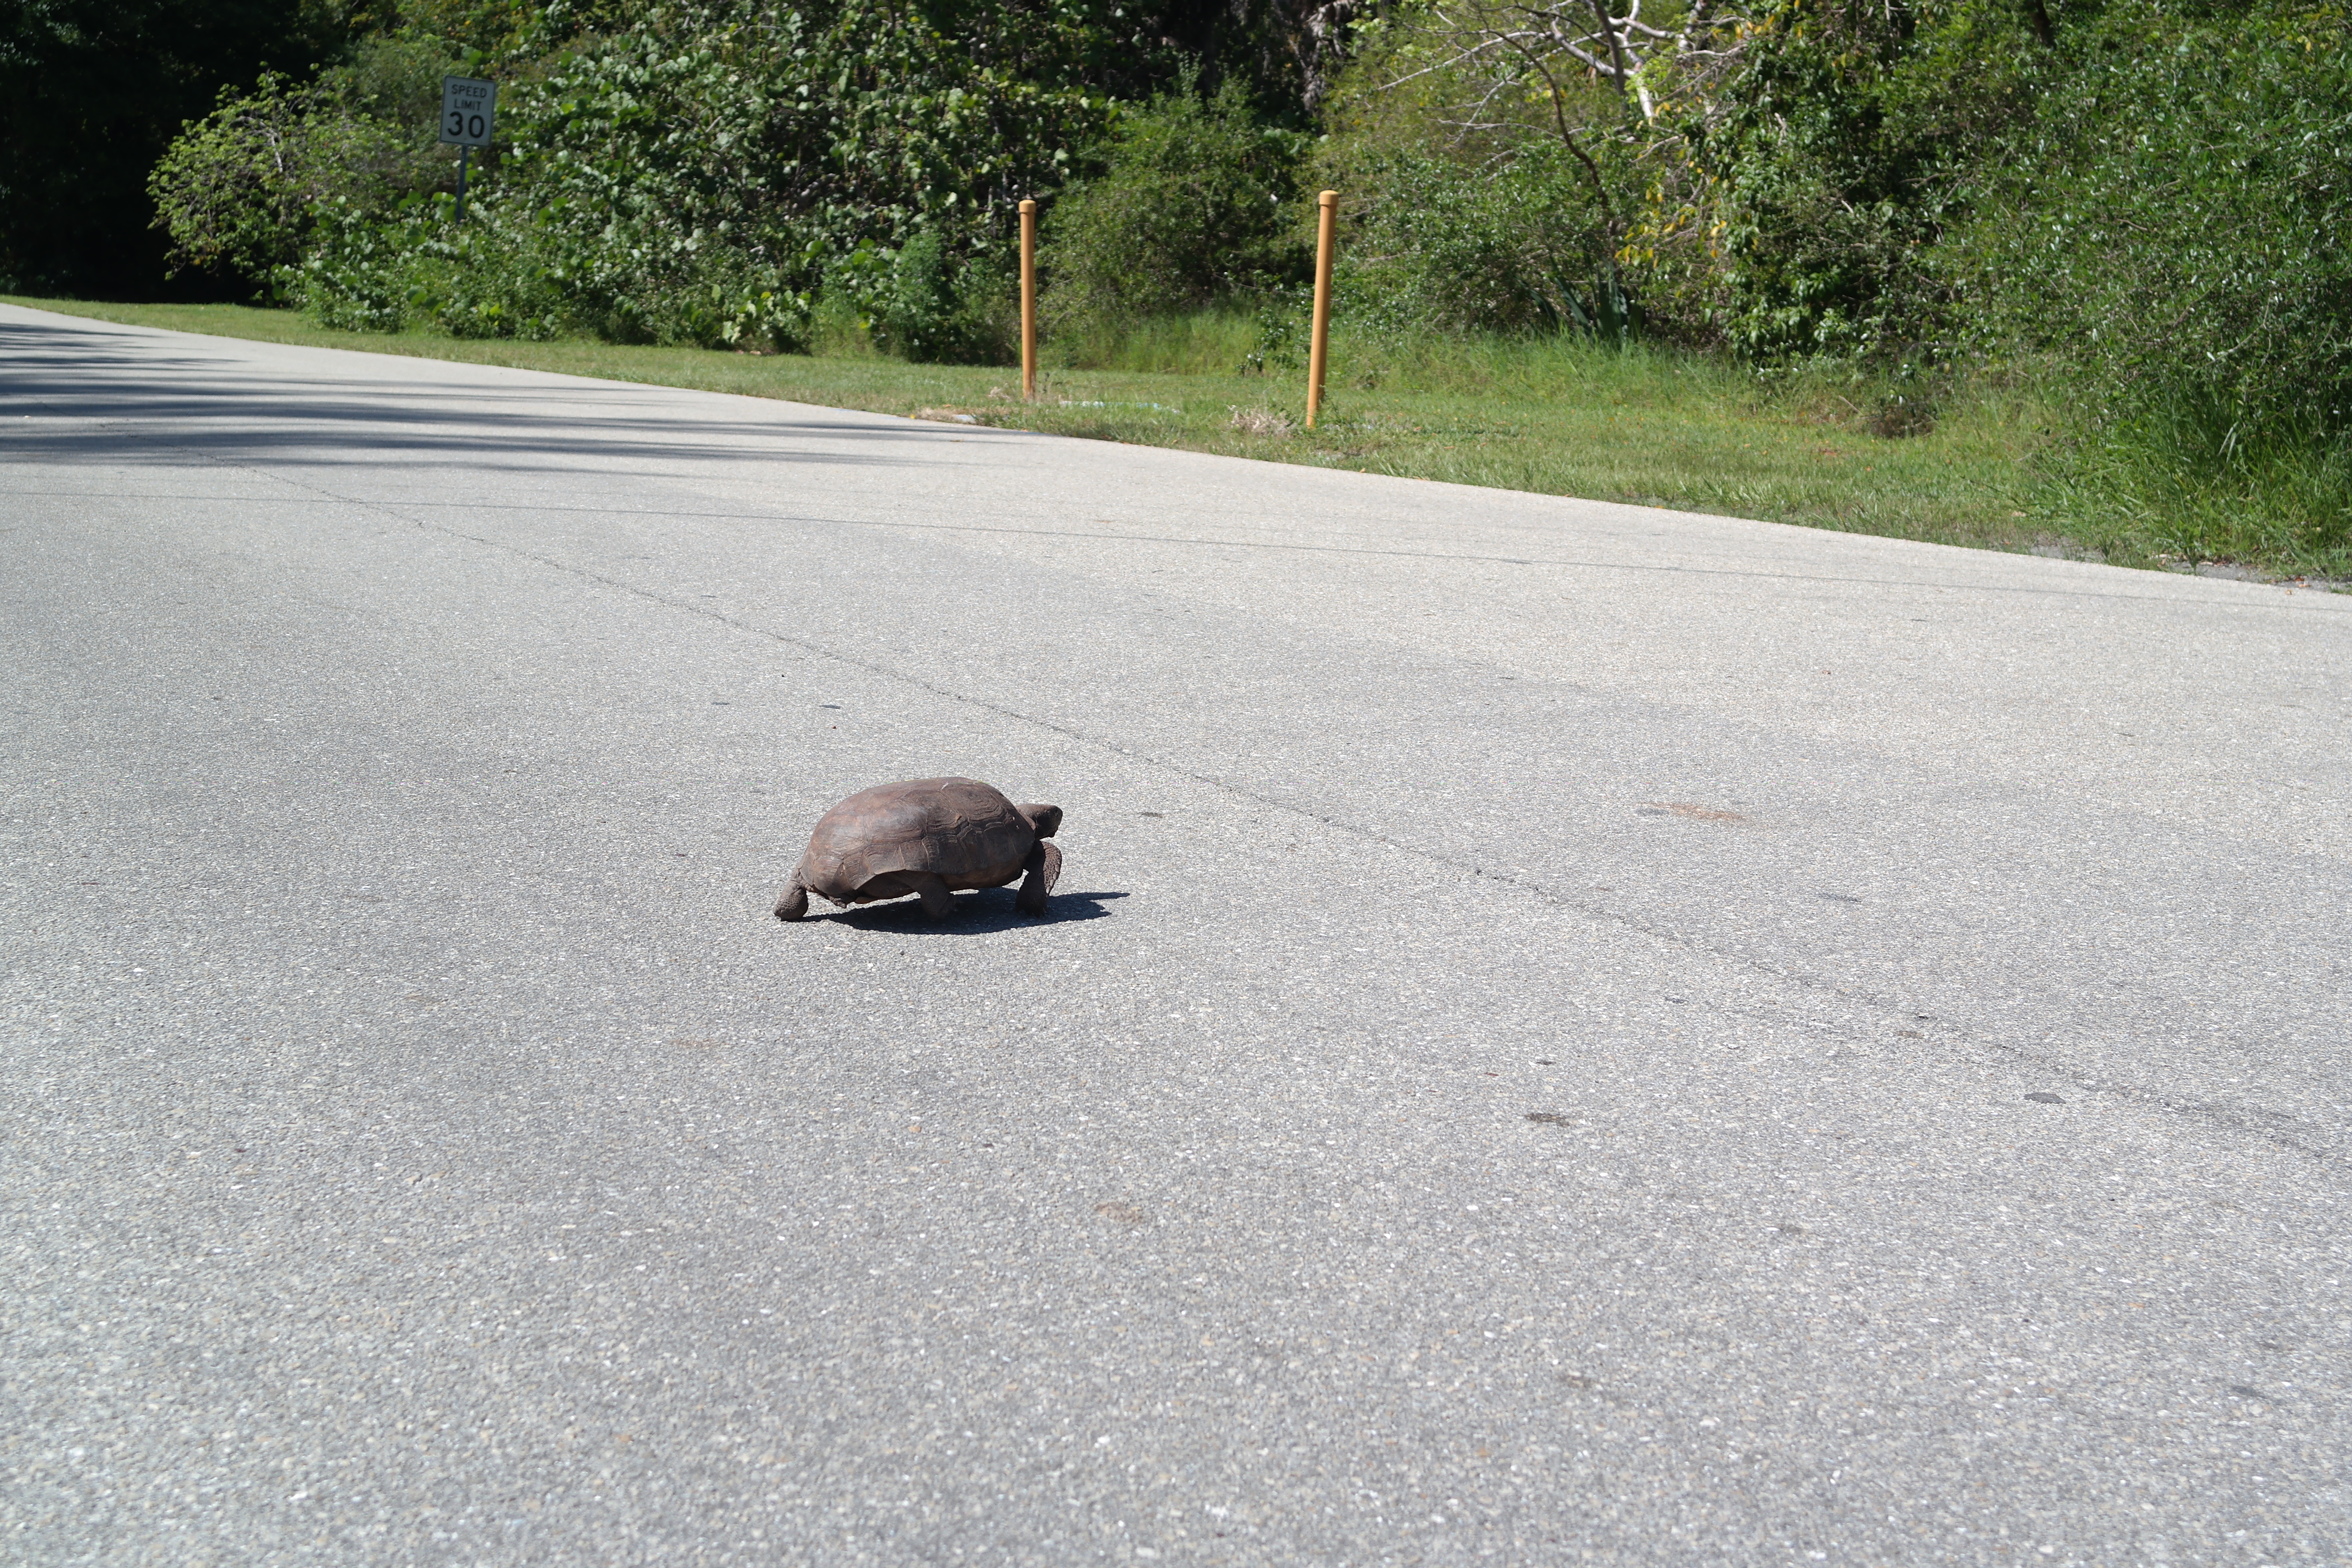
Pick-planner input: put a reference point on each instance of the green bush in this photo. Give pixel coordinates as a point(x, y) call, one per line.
point(237, 191)
point(1520, 245)
point(354, 277)
point(2173, 221)
point(1475, 198)
point(925, 305)
point(496, 276)
point(2169, 223)
point(1820, 172)
point(1190, 208)
point(696, 172)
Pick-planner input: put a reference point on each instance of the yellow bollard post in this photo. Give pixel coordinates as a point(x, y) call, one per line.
point(1028, 300)
point(1330, 201)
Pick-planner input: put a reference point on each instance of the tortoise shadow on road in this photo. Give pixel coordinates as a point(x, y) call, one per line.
point(976, 914)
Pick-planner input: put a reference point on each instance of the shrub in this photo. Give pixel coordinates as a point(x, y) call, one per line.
point(496, 276)
point(685, 173)
point(927, 305)
point(695, 175)
point(2172, 221)
point(1519, 245)
point(354, 277)
point(1815, 176)
point(1479, 194)
point(236, 192)
point(1190, 208)
point(2168, 223)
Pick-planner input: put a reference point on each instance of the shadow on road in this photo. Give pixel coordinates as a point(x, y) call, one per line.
point(976, 914)
point(130, 402)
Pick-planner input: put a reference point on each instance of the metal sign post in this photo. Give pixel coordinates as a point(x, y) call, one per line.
point(469, 117)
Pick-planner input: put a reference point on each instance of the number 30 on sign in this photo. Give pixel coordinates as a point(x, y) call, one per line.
point(466, 105)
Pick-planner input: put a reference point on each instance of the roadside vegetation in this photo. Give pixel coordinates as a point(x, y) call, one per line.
point(2055, 274)
point(1557, 416)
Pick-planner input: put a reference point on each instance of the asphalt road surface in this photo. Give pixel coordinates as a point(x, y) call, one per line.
point(1568, 1031)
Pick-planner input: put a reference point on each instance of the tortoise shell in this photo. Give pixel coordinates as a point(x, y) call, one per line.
point(959, 830)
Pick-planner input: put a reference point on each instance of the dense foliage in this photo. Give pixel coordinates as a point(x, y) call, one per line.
point(240, 188)
point(2178, 211)
point(695, 175)
point(1471, 208)
point(1190, 208)
point(2169, 223)
point(697, 171)
point(2145, 193)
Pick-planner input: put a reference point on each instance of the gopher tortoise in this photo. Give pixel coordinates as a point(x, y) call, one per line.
point(927, 837)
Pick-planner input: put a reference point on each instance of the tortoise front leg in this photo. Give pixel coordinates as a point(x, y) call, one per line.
point(1044, 868)
point(938, 901)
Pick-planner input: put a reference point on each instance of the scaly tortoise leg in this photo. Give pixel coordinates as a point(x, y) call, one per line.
point(1044, 868)
point(938, 901)
point(794, 905)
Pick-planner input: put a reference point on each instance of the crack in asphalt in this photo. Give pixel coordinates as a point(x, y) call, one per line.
point(1584, 564)
point(2235, 1119)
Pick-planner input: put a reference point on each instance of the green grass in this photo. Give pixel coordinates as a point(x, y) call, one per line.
point(1558, 417)
point(2164, 490)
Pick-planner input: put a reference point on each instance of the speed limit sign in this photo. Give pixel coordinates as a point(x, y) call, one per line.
point(466, 109)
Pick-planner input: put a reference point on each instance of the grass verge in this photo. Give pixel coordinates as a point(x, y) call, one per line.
point(1557, 417)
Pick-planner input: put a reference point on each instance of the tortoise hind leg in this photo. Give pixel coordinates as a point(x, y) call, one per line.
point(794, 905)
point(938, 901)
point(1044, 868)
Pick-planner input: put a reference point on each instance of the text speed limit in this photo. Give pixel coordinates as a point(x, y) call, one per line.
point(467, 110)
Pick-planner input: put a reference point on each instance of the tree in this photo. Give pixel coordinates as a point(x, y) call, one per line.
point(1511, 56)
point(237, 190)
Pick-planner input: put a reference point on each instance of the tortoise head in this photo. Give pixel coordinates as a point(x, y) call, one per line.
point(1045, 819)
